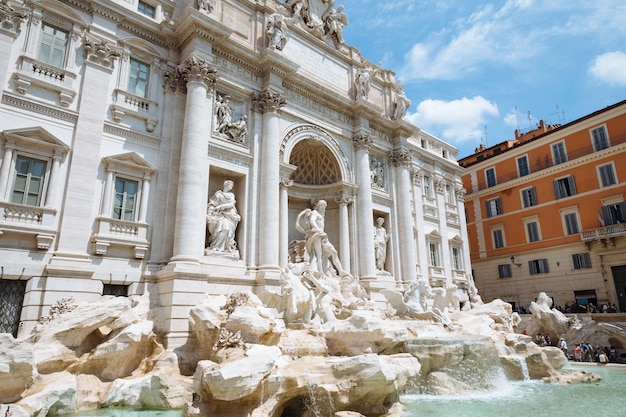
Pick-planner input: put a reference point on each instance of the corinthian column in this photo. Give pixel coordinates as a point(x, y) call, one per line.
point(344, 227)
point(190, 229)
point(285, 183)
point(367, 264)
point(401, 159)
point(269, 103)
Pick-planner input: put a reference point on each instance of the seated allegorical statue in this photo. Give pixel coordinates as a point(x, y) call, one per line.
point(222, 219)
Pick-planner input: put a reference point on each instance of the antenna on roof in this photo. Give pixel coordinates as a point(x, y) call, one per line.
point(530, 125)
point(517, 118)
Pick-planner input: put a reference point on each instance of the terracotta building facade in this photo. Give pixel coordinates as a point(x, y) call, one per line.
point(545, 213)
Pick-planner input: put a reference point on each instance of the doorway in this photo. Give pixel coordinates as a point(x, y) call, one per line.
point(619, 278)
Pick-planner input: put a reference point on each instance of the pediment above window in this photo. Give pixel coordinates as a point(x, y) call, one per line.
point(35, 137)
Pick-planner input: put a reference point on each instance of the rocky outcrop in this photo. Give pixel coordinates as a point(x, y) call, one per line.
point(16, 368)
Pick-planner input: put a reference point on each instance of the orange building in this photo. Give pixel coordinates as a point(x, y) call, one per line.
point(546, 213)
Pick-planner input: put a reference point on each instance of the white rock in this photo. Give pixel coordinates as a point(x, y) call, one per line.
point(150, 391)
point(16, 368)
point(55, 394)
point(257, 324)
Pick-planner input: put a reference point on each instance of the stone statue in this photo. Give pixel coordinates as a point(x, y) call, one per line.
point(334, 21)
point(413, 303)
point(363, 81)
point(445, 299)
point(223, 112)
point(222, 219)
point(402, 105)
point(317, 246)
point(206, 5)
point(276, 29)
point(238, 131)
point(381, 237)
point(377, 174)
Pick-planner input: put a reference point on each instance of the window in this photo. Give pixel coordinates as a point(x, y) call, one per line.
point(558, 153)
point(504, 271)
point(522, 166)
point(456, 258)
point(450, 194)
point(571, 223)
point(428, 186)
point(581, 260)
point(529, 197)
point(532, 232)
point(498, 238)
point(29, 180)
point(607, 175)
point(600, 139)
point(434, 253)
point(125, 199)
point(138, 77)
point(116, 290)
point(490, 174)
point(613, 213)
point(538, 266)
point(564, 187)
point(494, 207)
point(146, 9)
point(52, 45)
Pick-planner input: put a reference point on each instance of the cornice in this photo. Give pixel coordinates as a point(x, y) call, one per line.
point(34, 107)
point(130, 134)
point(228, 155)
point(195, 24)
point(556, 169)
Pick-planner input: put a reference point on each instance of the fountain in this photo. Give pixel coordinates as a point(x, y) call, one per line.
point(318, 347)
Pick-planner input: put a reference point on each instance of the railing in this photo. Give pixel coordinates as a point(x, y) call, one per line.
point(605, 232)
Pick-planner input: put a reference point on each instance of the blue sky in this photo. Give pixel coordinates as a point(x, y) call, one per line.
point(476, 70)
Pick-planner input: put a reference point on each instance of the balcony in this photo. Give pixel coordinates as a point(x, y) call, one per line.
point(127, 104)
point(34, 72)
point(38, 222)
point(121, 233)
point(604, 235)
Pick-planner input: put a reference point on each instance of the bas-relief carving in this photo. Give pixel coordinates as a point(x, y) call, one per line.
point(222, 219)
point(377, 174)
point(223, 124)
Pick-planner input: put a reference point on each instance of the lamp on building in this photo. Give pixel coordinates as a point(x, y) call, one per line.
point(513, 262)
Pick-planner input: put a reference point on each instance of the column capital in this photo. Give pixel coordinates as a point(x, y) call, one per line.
point(198, 70)
point(100, 52)
point(417, 174)
point(12, 17)
point(268, 101)
point(285, 182)
point(400, 157)
point(174, 81)
point(343, 198)
point(362, 140)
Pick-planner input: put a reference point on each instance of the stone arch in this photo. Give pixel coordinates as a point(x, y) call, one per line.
point(317, 137)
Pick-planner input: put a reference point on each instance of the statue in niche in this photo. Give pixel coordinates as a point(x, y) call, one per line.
point(334, 21)
point(402, 105)
point(363, 81)
point(222, 220)
point(276, 29)
point(381, 237)
point(317, 246)
point(206, 6)
point(238, 131)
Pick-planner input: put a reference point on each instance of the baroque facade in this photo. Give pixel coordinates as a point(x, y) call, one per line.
point(546, 213)
point(169, 147)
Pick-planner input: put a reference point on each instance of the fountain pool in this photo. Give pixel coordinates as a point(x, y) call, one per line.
point(532, 398)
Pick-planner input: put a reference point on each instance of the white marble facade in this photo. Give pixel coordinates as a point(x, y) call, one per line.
point(132, 129)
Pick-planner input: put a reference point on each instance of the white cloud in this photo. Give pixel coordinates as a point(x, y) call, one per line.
point(610, 68)
point(457, 120)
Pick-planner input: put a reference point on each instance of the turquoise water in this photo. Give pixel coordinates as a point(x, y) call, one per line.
point(604, 398)
point(125, 412)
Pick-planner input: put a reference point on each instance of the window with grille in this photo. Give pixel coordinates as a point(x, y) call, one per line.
point(538, 266)
point(529, 197)
point(29, 181)
point(581, 260)
point(115, 289)
point(11, 302)
point(52, 45)
point(600, 138)
point(558, 153)
point(125, 199)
